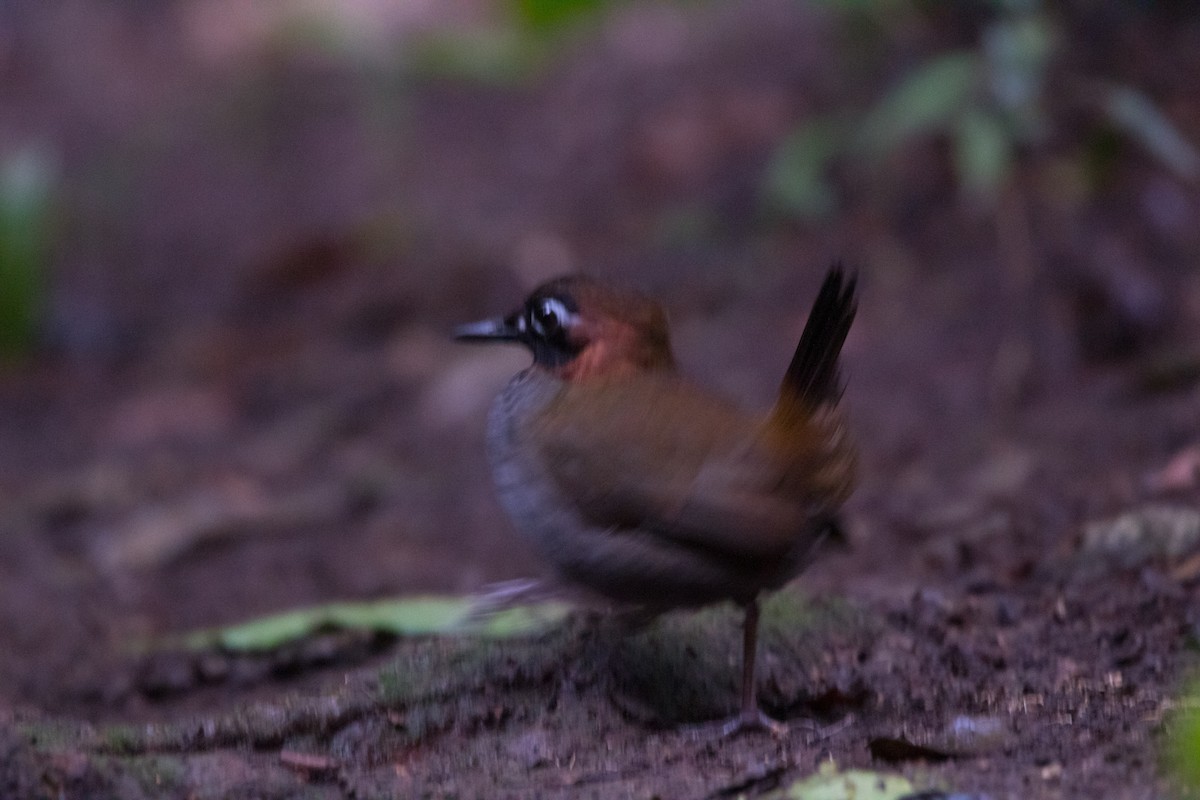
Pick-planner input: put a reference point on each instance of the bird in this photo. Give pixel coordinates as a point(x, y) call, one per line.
point(644, 487)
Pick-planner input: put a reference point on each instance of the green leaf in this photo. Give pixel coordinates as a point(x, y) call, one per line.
point(983, 151)
point(856, 784)
point(27, 188)
point(796, 182)
point(1018, 51)
point(1141, 119)
point(930, 99)
point(412, 616)
point(545, 15)
point(266, 633)
point(1183, 742)
point(495, 56)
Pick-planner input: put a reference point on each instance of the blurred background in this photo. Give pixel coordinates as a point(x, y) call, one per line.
point(234, 237)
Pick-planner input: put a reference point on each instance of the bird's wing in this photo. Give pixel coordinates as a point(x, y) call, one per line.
point(684, 464)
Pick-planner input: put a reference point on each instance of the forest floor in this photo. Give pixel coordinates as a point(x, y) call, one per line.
point(247, 401)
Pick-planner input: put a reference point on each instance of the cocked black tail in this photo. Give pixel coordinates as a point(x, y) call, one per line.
point(813, 377)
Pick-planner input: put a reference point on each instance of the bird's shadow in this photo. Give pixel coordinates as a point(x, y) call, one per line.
point(684, 668)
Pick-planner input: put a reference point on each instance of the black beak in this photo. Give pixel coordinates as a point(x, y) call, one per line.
point(506, 329)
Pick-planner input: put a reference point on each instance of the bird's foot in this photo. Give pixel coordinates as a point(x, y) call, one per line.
point(745, 722)
point(500, 597)
point(753, 720)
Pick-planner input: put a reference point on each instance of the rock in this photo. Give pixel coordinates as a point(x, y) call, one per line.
point(1149, 533)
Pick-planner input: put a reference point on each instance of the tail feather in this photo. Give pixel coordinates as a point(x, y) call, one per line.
point(813, 377)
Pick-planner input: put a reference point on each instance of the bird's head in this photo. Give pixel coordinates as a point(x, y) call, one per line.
point(579, 329)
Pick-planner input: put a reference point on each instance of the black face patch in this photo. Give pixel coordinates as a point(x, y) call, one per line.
point(546, 328)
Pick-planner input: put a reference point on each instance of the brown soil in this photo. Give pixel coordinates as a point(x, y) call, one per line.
point(246, 401)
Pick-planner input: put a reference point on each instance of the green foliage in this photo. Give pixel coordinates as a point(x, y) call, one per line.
point(27, 180)
point(413, 616)
point(1137, 116)
point(529, 33)
point(989, 102)
point(500, 56)
point(928, 100)
point(831, 784)
point(1183, 742)
point(547, 15)
point(797, 176)
point(1017, 51)
point(984, 153)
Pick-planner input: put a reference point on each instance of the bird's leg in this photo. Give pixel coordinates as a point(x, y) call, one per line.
point(751, 717)
point(749, 658)
point(503, 596)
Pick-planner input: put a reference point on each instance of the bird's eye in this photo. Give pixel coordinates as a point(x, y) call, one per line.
point(548, 317)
